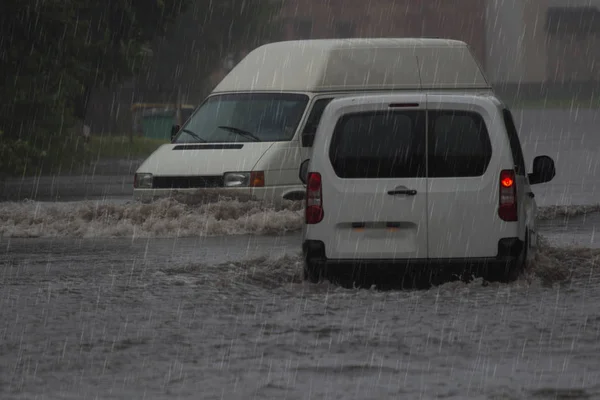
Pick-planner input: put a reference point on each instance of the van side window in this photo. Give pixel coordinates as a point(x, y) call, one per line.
point(315, 115)
point(384, 144)
point(515, 144)
point(459, 144)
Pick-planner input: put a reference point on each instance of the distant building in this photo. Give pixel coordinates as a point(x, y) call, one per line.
point(516, 41)
point(551, 41)
point(316, 19)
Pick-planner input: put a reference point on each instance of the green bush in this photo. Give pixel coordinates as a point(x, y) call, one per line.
point(20, 157)
point(16, 156)
point(123, 147)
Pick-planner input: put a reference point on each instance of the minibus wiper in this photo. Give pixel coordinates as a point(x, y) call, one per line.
point(240, 132)
point(194, 135)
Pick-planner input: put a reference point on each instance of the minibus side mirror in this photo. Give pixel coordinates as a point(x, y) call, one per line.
point(303, 174)
point(174, 130)
point(308, 139)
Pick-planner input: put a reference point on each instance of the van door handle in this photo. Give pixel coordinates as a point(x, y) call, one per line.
point(531, 194)
point(399, 191)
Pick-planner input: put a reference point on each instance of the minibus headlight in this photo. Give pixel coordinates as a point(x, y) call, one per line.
point(142, 181)
point(244, 179)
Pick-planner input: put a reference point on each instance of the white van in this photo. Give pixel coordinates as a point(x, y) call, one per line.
point(253, 131)
point(422, 179)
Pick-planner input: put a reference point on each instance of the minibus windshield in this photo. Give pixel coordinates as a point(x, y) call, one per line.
point(245, 117)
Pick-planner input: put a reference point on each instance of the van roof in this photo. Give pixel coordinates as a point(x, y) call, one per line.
point(326, 65)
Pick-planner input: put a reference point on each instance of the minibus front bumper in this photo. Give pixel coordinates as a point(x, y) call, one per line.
point(267, 194)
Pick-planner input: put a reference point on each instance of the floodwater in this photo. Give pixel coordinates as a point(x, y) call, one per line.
point(109, 299)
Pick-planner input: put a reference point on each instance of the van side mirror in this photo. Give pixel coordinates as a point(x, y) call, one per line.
point(308, 139)
point(174, 130)
point(543, 170)
point(303, 174)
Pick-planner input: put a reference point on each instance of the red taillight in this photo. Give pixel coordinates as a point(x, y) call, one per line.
point(507, 182)
point(314, 199)
point(507, 209)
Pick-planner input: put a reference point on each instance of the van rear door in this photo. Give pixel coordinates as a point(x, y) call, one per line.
point(374, 183)
point(466, 153)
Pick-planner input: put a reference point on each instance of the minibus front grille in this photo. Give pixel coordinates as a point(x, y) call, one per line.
point(223, 146)
point(187, 182)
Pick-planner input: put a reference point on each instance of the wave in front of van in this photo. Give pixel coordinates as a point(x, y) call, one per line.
point(554, 264)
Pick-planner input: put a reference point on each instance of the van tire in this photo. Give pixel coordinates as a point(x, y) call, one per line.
point(312, 273)
point(511, 271)
point(514, 269)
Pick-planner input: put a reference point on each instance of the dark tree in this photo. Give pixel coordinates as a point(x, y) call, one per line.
point(53, 52)
point(205, 35)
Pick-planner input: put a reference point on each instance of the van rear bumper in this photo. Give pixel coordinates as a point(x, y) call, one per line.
point(509, 252)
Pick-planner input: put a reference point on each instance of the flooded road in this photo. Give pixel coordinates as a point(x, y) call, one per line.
point(229, 317)
point(111, 299)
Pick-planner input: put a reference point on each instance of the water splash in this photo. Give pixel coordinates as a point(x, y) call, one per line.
point(183, 216)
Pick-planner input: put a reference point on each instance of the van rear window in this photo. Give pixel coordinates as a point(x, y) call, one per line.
point(459, 144)
point(379, 145)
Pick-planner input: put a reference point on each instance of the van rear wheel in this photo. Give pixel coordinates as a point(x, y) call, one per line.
point(513, 270)
point(312, 272)
point(518, 268)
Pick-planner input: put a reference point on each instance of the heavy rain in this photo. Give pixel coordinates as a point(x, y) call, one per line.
point(162, 235)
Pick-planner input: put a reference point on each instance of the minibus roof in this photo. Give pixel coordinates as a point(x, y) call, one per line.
point(331, 65)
